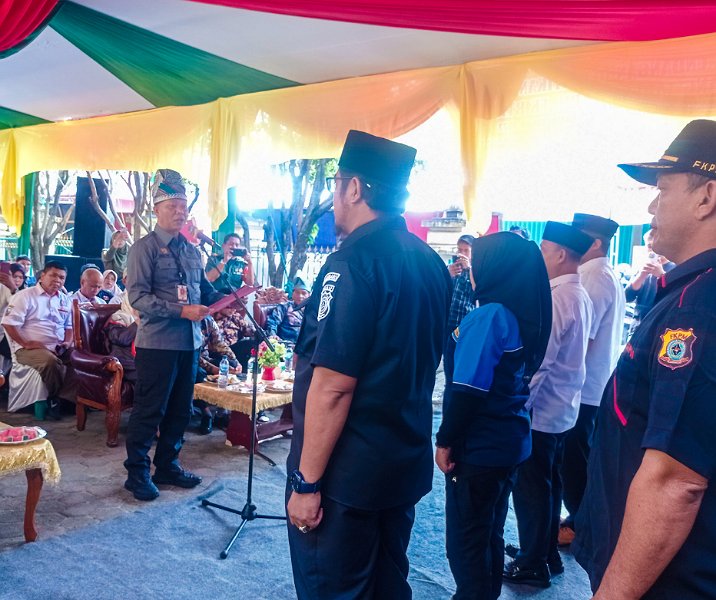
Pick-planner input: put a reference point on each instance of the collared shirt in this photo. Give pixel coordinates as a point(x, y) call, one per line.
point(85, 300)
point(461, 302)
point(556, 386)
point(378, 313)
point(155, 268)
point(39, 316)
point(662, 396)
point(609, 302)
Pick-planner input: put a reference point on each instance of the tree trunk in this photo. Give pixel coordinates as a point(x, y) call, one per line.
point(245, 230)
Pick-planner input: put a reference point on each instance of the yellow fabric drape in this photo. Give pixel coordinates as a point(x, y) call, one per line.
point(215, 142)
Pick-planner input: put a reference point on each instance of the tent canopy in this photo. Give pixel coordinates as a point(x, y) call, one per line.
point(281, 79)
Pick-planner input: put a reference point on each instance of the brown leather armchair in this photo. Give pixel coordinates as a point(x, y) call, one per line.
point(99, 375)
point(266, 300)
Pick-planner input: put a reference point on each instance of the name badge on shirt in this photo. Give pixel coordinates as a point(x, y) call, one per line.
point(182, 294)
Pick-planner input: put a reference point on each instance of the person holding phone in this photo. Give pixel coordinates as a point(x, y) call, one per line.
point(233, 268)
point(461, 304)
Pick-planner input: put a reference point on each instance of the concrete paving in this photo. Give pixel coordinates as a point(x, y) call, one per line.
point(91, 489)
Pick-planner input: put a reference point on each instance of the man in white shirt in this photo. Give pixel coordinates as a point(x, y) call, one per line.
point(90, 284)
point(609, 300)
point(38, 321)
point(554, 402)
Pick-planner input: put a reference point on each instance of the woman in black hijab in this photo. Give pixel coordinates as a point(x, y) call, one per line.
point(485, 432)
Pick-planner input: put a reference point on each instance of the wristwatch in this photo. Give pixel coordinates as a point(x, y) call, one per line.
point(299, 485)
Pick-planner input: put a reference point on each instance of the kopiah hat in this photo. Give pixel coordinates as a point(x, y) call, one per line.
point(595, 225)
point(568, 236)
point(692, 151)
point(377, 159)
point(167, 184)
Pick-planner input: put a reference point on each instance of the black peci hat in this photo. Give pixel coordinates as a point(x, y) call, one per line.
point(377, 159)
point(692, 151)
point(595, 225)
point(568, 236)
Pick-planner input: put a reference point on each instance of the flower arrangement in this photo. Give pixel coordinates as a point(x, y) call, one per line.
point(271, 358)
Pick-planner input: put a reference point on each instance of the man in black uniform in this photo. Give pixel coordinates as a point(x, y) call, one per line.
point(646, 527)
point(369, 347)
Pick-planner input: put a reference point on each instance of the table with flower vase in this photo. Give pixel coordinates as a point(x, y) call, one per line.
point(240, 431)
point(38, 461)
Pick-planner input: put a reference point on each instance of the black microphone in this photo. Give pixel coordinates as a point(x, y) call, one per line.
point(205, 239)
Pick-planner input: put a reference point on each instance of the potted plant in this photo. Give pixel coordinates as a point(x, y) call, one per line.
point(269, 360)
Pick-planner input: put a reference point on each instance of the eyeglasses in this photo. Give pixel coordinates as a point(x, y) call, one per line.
point(331, 183)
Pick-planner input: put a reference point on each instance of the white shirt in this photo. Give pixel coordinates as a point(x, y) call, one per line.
point(82, 299)
point(556, 386)
point(39, 316)
point(609, 301)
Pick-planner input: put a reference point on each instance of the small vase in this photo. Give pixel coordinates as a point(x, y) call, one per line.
point(269, 374)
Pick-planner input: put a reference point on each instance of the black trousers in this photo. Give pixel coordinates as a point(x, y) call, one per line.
point(353, 554)
point(537, 499)
point(576, 456)
point(162, 400)
point(476, 503)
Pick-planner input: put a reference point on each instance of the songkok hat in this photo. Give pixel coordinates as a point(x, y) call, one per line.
point(377, 159)
point(300, 284)
point(594, 225)
point(692, 151)
point(567, 236)
point(167, 184)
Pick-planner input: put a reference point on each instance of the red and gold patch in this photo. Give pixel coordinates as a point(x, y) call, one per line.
point(676, 348)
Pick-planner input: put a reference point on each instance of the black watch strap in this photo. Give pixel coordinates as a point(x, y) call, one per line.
point(300, 486)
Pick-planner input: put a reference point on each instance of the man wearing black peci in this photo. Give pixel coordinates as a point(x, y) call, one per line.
point(646, 527)
point(371, 340)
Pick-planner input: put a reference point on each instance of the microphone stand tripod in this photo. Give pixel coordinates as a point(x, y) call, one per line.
point(248, 512)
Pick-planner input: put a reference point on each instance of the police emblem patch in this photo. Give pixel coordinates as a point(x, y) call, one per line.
point(331, 277)
point(325, 305)
point(676, 348)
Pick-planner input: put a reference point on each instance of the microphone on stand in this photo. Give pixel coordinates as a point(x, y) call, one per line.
point(205, 239)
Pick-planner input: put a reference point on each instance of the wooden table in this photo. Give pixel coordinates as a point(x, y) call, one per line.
point(240, 430)
point(39, 462)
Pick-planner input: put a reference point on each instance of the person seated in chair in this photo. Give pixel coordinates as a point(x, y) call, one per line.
point(120, 331)
point(38, 321)
point(213, 350)
point(238, 333)
point(285, 320)
point(90, 285)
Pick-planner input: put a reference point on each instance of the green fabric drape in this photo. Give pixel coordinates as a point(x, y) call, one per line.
point(23, 237)
point(12, 118)
point(164, 71)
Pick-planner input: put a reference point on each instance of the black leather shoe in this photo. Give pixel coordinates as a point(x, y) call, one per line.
point(142, 488)
point(206, 426)
point(182, 479)
point(538, 577)
point(556, 567)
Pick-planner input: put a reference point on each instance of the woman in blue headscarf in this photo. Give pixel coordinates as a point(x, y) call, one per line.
point(485, 432)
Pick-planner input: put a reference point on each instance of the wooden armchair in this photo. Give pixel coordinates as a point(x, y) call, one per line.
point(266, 300)
point(99, 375)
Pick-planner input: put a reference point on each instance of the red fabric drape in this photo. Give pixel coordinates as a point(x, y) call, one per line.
point(608, 20)
point(19, 19)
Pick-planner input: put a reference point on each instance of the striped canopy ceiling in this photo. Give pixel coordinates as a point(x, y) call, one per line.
point(98, 57)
